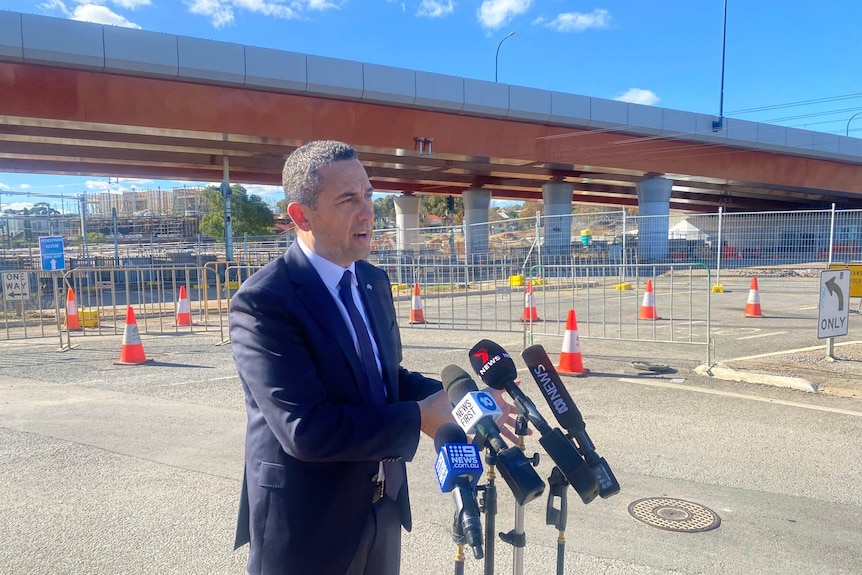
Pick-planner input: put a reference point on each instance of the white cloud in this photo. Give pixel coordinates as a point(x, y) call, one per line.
point(222, 12)
point(22, 186)
point(135, 181)
point(17, 206)
point(130, 4)
point(97, 185)
point(578, 22)
point(496, 13)
point(264, 191)
point(435, 8)
point(55, 5)
point(4, 186)
point(639, 96)
point(100, 15)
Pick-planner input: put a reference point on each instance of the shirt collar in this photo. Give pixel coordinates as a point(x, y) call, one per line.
point(329, 272)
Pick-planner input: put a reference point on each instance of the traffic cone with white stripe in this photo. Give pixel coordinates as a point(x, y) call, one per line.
point(752, 306)
point(571, 361)
point(184, 309)
point(72, 323)
point(530, 314)
point(648, 304)
point(416, 313)
point(132, 351)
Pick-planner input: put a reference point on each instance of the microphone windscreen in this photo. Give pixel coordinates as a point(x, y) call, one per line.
point(457, 383)
point(449, 432)
point(545, 374)
point(493, 364)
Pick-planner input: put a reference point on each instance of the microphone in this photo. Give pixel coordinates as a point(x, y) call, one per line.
point(473, 407)
point(514, 466)
point(567, 413)
point(458, 469)
point(497, 369)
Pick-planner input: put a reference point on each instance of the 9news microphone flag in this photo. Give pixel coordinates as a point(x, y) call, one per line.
point(458, 468)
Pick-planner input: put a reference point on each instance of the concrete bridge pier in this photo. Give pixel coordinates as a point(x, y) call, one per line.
point(654, 207)
point(476, 204)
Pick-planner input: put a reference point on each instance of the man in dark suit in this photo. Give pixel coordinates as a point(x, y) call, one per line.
point(332, 416)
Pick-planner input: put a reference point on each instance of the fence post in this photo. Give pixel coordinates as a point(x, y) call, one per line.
point(831, 237)
point(718, 252)
point(830, 346)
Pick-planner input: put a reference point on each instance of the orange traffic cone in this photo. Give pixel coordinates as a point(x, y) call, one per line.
point(648, 305)
point(72, 323)
point(416, 313)
point(752, 306)
point(132, 351)
point(530, 312)
point(571, 361)
point(184, 310)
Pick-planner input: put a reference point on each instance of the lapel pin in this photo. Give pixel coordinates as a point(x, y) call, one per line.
point(368, 287)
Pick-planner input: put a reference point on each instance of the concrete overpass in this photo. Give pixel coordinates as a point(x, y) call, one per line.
point(87, 99)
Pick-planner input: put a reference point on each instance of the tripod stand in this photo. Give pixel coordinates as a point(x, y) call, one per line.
point(557, 517)
point(488, 506)
point(516, 537)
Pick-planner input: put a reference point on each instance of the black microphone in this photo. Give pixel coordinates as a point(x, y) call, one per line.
point(514, 466)
point(567, 413)
point(497, 369)
point(458, 468)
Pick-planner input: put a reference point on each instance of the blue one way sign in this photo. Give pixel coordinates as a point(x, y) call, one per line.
point(52, 250)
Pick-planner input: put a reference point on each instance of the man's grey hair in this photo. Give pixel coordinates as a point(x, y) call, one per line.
point(301, 177)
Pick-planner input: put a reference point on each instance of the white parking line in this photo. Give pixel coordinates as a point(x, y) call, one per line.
point(761, 335)
point(655, 383)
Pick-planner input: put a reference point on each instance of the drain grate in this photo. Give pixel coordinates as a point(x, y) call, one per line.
point(674, 514)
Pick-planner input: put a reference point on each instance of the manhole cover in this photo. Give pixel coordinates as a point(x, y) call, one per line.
point(674, 514)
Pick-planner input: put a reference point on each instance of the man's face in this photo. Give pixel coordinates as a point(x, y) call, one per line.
point(340, 227)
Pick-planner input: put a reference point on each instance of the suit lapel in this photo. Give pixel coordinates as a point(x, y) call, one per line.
point(314, 295)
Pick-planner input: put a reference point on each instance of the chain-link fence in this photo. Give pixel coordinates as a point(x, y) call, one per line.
point(721, 241)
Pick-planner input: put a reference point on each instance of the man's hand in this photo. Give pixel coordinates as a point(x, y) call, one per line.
point(435, 410)
point(510, 412)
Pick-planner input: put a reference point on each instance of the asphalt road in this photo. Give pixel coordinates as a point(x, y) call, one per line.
point(136, 469)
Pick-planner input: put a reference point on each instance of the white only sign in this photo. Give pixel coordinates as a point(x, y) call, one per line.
point(16, 285)
point(834, 309)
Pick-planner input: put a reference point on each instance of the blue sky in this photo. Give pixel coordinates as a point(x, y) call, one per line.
point(788, 62)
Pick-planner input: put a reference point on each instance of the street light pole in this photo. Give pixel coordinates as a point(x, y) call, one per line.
point(847, 132)
point(497, 57)
point(717, 123)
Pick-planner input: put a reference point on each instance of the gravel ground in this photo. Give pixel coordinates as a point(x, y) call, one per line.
point(839, 376)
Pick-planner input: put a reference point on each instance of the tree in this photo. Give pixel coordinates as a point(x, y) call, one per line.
point(384, 211)
point(282, 206)
point(249, 214)
point(437, 205)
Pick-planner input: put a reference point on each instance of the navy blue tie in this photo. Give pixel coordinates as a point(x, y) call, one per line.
point(366, 350)
point(392, 469)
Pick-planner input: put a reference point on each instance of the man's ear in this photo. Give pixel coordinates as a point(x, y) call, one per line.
point(297, 214)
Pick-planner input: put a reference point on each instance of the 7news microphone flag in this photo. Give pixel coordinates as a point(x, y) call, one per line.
point(458, 468)
point(566, 411)
point(511, 462)
point(497, 369)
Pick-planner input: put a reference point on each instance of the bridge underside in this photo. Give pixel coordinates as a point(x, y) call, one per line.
point(64, 121)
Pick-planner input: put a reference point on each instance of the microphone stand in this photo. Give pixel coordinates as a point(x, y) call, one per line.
point(488, 506)
point(516, 537)
point(557, 517)
point(459, 539)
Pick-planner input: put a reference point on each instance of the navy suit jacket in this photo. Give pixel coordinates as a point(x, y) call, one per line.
point(314, 438)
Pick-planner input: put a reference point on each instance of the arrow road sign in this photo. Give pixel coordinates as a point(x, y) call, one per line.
point(833, 289)
point(833, 315)
point(52, 249)
point(16, 285)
